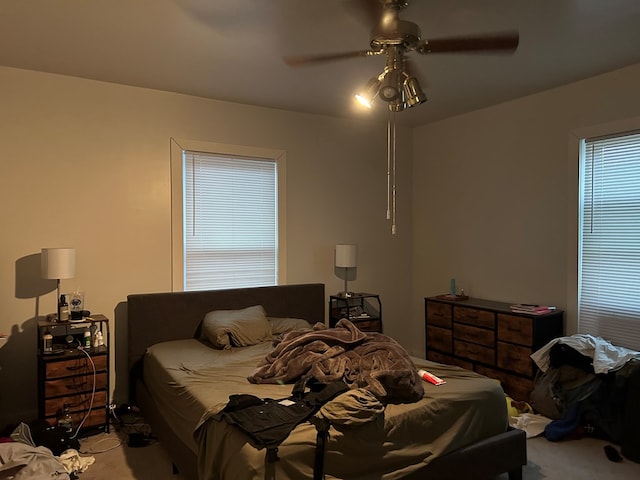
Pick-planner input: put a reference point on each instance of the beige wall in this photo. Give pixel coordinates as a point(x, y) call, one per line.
point(495, 193)
point(492, 202)
point(86, 164)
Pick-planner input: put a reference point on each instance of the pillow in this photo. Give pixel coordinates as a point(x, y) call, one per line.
point(281, 325)
point(237, 328)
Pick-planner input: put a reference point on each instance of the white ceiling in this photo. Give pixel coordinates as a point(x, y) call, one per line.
point(232, 49)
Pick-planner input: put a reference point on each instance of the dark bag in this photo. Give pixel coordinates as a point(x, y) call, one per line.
point(630, 441)
point(54, 438)
point(269, 422)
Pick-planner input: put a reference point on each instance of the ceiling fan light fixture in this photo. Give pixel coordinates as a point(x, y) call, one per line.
point(369, 93)
point(397, 105)
point(413, 92)
point(391, 87)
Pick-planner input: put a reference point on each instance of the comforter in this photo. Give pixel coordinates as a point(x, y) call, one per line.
point(371, 361)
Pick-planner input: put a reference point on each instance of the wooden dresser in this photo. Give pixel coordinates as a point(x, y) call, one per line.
point(487, 337)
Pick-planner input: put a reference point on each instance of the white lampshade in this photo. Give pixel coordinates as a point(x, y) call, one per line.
point(58, 263)
point(346, 256)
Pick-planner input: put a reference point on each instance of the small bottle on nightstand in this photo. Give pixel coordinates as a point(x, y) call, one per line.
point(47, 342)
point(63, 309)
point(65, 421)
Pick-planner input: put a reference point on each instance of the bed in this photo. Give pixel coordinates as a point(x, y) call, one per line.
point(180, 382)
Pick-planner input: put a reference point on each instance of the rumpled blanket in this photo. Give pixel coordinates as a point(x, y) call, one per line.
point(372, 361)
point(20, 461)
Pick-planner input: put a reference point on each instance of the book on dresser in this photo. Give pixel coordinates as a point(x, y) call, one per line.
point(490, 338)
point(532, 309)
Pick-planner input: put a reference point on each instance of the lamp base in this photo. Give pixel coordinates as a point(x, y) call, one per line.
point(345, 294)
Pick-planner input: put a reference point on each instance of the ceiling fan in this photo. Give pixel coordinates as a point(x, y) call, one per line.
point(396, 38)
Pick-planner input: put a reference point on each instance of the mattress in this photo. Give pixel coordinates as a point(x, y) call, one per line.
point(191, 382)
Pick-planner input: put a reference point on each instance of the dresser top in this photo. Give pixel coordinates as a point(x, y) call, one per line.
point(493, 305)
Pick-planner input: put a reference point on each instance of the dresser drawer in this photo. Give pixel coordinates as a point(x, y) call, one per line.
point(52, 406)
point(475, 353)
point(474, 316)
point(439, 339)
point(515, 358)
point(516, 387)
point(73, 385)
point(439, 357)
point(468, 333)
point(449, 360)
point(515, 329)
point(75, 366)
point(439, 314)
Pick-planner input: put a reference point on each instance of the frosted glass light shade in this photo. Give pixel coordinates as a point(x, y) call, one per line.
point(346, 256)
point(58, 262)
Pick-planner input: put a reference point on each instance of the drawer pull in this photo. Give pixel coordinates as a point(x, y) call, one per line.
point(74, 387)
point(77, 367)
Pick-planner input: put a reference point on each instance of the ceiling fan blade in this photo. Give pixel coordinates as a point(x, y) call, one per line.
point(506, 42)
point(302, 60)
point(369, 10)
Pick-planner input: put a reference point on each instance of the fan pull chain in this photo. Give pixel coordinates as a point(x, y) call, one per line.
point(389, 167)
point(391, 170)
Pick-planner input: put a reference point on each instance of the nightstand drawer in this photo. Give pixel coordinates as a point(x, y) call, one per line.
point(75, 366)
point(97, 417)
point(439, 314)
point(53, 406)
point(515, 329)
point(474, 316)
point(73, 385)
point(468, 333)
point(515, 358)
point(368, 325)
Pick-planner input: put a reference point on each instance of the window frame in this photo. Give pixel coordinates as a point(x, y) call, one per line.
point(178, 147)
point(576, 137)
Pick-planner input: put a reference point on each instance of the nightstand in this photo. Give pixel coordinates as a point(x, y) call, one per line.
point(74, 375)
point(364, 310)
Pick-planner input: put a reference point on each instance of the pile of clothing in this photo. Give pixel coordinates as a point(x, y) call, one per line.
point(585, 383)
point(22, 458)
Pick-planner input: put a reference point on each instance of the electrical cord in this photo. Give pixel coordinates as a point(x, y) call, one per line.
point(91, 451)
point(93, 391)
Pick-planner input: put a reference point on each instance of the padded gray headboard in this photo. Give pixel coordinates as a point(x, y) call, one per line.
point(160, 317)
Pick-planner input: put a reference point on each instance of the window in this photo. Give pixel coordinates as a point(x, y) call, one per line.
point(226, 216)
point(609, 243)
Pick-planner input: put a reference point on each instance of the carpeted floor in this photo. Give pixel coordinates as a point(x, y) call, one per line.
point(582, 459)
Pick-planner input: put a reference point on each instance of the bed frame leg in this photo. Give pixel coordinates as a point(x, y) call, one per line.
point(515, 474)
point(175, 471)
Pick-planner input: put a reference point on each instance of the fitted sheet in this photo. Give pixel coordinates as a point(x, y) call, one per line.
point(191, 382)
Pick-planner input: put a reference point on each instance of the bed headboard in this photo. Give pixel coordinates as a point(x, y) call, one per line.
point(160, 317)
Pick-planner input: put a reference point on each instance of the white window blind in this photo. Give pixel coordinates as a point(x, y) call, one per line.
point(609, 268)
point(230, 221)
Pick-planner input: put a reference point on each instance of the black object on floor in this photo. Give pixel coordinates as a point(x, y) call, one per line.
point(137, 440)
point(612, 454)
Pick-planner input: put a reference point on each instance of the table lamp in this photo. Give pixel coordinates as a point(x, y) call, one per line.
point(346, 257)
point(58, 263)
